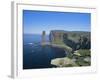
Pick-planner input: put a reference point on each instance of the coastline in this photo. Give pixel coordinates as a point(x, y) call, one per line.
point(62, 46)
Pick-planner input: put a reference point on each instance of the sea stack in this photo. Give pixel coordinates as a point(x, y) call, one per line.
point(43, 37)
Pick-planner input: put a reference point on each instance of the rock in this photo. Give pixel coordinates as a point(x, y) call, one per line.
point(63, 62)
point(82, 52)
point(87, 59)
point(78, 54)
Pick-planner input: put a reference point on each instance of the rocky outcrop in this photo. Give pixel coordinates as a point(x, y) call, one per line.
point(78, 58)
point(63, 62)
point(56, 36)
point(76, 44)
point(74, 39)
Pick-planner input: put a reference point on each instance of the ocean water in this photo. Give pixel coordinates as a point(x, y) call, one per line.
point(31, 38)
point(36, 56)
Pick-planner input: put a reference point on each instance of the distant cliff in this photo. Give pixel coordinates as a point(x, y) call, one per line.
point(74, 39)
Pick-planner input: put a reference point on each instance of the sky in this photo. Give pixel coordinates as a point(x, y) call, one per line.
point(34, 22)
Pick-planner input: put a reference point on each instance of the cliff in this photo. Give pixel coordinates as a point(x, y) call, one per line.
point(77, 44)
point(73, 39)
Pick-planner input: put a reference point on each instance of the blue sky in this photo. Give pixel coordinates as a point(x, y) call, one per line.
point(34, 22)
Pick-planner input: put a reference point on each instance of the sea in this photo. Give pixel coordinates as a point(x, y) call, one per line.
point(37, 56)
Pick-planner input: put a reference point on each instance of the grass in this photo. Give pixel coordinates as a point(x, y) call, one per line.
point(82, 59)
point(84, 52)
point(60, 44)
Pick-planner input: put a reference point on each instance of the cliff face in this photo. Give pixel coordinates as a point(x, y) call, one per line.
point(73, 39)
point(76, 44)
point(56, 36)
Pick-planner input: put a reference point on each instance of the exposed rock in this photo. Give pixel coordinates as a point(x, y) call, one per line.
point(76, 53)
point(63, 62)
point(74, 39)
point(82, 52)
point(87, 59)
point(43, 37)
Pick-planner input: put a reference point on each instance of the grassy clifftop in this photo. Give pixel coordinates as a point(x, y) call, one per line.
point(73, 39)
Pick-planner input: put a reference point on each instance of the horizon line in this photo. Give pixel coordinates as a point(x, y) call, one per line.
point(58, 30)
